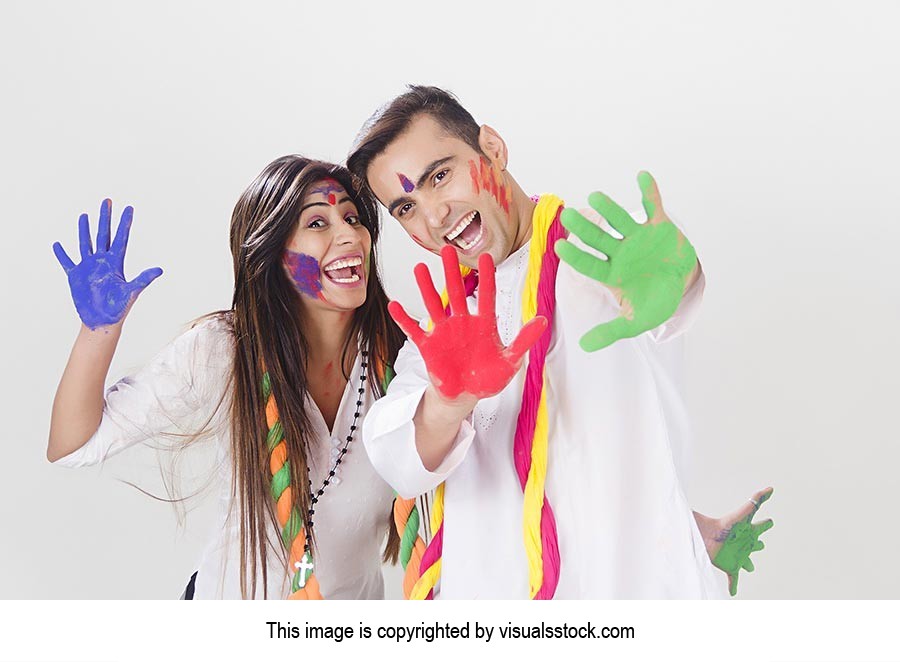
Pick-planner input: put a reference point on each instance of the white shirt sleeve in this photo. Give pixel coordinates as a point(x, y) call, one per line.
point(389, 433)
point(175, 394)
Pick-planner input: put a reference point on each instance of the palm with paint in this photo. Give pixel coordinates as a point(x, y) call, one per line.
point(647, 270)
point(99, 289)
point(463, 352)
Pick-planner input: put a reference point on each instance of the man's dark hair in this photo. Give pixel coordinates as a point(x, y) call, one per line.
point(388, 124)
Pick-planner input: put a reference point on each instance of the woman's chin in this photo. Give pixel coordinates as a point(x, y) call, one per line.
point(343, 299)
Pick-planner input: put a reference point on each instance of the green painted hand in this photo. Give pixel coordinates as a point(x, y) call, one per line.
point(648, 270)
point(731, 540)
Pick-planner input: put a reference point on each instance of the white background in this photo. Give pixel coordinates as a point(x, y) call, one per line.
point(772, 129)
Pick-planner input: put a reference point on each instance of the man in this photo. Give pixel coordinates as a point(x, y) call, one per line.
point(587, 436)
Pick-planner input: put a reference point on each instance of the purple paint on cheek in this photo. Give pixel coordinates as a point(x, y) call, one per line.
point(304, 270)
point(407, 185)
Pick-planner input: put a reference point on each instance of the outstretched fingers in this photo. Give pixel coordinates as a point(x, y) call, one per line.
point(487, 290)
point(84, 236)
point(762, 496)
point(606, 334)
point(527, 337)
point(410, 327)
point(650, 197)
point(144, 278)
point(452, 278)
point(762, 527)
point(588, 232)
point(104, 225)
point(120, 243)
point(432, 299)
point(614, 214)
point(582, 261)
point(64, 260)
point(746, 512)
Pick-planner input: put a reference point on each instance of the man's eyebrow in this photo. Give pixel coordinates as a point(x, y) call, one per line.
point(430, 168)
point(420, 182)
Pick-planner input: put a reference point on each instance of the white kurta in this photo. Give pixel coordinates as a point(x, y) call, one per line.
point(616, 424)
point(177, 392)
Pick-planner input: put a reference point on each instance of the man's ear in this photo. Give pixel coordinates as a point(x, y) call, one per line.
point(493, 147)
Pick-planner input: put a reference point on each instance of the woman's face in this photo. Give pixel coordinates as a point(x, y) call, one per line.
point(327, 257)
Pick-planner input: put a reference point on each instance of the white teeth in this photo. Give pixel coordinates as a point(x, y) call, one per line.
point(463, 224)
point(466, 245)
point(340, 264)
point(352, 279)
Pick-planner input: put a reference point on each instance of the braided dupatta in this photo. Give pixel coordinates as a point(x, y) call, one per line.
point(304, 585)
point(531, 440)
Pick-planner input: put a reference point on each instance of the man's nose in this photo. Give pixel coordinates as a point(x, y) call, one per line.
point(437, 215)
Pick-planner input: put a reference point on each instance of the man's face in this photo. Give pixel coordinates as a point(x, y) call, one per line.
point(445, 192)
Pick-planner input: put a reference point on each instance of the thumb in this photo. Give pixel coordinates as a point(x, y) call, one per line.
point(528, 336)
point(606, 334)
point(145, 278)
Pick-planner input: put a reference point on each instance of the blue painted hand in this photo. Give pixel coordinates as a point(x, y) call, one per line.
point(101, 294)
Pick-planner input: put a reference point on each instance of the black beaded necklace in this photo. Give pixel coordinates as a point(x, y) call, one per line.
point(316, 495)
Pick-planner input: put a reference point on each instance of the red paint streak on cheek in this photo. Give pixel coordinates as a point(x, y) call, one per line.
point(473, 173)
point(487, 177)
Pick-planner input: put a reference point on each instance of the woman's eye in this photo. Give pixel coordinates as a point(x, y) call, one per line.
point(352, 219)
point(316, 223)
point(440, 175)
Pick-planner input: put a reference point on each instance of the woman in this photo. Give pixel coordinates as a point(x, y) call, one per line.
point(281, 380)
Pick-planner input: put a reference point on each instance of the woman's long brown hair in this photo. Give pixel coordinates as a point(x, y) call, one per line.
point(266, 319)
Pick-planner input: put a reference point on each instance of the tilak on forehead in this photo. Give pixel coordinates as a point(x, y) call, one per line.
point(485, 176)
point(408, 186)
point(304, 270)
point(328, 188)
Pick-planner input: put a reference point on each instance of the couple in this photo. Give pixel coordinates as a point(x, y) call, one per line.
point(554, 475)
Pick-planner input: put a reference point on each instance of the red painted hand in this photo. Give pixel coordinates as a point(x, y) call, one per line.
point(463, 352)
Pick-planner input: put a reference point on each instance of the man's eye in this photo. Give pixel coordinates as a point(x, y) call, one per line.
point(404, 210)
point(440, 175)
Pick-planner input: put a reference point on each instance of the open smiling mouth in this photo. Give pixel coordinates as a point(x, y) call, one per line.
point(344, 271)
point(467, 232)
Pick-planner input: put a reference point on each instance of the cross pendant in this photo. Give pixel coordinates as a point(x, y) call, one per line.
point(305, 566)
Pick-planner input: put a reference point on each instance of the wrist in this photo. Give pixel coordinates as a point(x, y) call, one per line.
point(448, 411)
point(102, 335)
